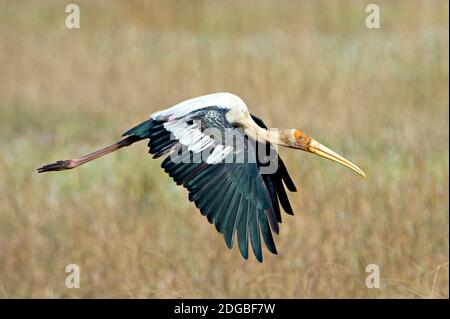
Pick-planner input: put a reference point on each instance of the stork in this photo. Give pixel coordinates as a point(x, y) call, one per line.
point(231, 190)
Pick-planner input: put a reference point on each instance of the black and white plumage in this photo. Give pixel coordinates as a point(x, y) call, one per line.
point(212, 146)
point(235, 197)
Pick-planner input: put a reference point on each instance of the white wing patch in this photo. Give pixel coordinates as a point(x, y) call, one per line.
point(192, 137)
point(189, 135)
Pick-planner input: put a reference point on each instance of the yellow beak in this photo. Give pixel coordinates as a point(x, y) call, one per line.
point(321, 150)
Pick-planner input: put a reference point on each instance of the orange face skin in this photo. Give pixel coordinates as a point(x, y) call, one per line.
point(299, 135)
point(300, 141)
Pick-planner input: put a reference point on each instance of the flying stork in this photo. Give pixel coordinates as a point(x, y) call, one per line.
point(230, 189)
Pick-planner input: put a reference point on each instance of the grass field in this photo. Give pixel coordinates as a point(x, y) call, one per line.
point(377, 96)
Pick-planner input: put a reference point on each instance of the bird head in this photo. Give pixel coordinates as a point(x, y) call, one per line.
point(296, 139)
point(299, 140)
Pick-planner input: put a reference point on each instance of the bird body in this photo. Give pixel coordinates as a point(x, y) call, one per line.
point(227, 160)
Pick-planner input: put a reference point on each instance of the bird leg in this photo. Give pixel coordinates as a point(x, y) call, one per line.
point(72, 163)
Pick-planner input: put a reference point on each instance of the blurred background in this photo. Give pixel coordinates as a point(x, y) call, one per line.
point(377, 96)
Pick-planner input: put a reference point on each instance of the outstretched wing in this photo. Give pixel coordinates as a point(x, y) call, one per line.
point(231, 194)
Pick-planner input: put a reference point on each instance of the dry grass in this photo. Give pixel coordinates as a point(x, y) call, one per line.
point(379, 97)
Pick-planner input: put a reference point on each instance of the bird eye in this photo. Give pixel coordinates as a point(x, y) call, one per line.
point(297, 135)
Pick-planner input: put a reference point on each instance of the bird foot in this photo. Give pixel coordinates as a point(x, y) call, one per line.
point(57, 166)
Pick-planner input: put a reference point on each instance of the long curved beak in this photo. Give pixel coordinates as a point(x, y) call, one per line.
point(321, 150)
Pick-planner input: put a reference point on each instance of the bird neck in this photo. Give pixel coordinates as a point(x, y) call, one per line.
point(274, 136)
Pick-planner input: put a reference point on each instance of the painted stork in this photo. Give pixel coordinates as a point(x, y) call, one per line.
point(234, 195)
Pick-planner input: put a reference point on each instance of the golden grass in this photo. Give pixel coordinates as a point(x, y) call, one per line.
point(379, 97)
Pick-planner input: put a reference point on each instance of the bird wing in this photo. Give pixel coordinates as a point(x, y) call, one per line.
point(232, 195)
point(276, 181)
